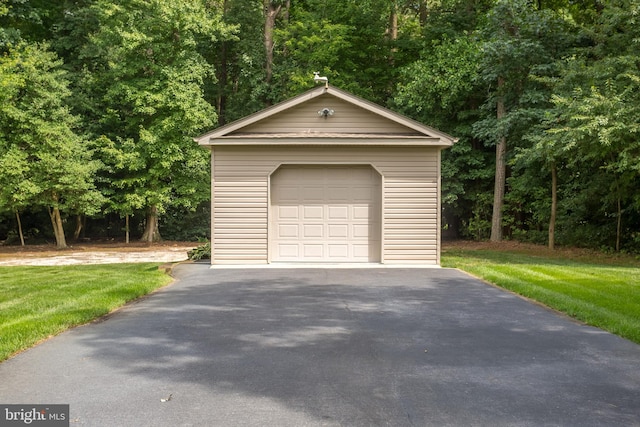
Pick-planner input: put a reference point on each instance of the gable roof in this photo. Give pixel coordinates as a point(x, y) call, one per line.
point(416, 133)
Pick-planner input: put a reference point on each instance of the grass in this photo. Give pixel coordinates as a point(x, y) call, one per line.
point(39, 302)
point(600, 291)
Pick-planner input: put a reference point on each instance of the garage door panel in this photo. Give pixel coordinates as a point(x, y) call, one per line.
point(311, 175)
point(313, 251)
point(364, 194)
point(313, 231)
point(362, 213)
point(312, 193)
point(335, 217)
point(288, 231)
point(339, 194)
point(362, 251)
point(290, 251)
point(338, 212)
point(313, 212)
point(338, 231)
point(361, 231)
point(338, 251)
point(289, 194)
point(288, 212)
point(341, 174)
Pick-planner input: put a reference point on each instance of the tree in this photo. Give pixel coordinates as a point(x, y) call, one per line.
point(16, 189)
point(48, 164)
point(146, 76)
point(589, 132)
point(603, 123)
point(516, 39)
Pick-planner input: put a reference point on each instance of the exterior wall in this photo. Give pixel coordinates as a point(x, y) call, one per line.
point(347, 118)
point(240, 201)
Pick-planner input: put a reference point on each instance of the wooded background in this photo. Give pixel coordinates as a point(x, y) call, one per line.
point(100, 99)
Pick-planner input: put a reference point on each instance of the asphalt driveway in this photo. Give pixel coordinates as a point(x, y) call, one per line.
point(322, 347)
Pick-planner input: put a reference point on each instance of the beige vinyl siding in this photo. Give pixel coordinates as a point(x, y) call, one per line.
point(240, 186)
point(347, 118)
point(239, 209)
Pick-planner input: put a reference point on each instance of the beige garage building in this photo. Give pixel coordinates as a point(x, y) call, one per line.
point(325, 177)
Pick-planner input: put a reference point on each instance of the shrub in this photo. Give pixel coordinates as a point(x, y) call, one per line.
point(201, 252)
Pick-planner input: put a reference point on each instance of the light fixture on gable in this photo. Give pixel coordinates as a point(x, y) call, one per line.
point(326, 112)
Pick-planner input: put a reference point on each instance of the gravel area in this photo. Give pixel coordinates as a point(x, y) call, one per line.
point(95, 254)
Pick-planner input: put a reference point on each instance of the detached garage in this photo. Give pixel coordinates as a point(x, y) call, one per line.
point(325, 177)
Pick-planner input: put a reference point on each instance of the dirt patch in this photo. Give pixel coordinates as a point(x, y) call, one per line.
point(95, 253)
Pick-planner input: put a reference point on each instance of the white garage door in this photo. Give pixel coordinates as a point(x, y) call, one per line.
point(325, 214)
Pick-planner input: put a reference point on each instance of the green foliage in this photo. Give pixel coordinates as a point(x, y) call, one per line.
point(143, 77)
point(590, 132)
point(445, 75)
point(148, 100)
point(201, 252)
point(240, 88)
point(517, 41)
point(187, 225)
point(25, 20)
point(44, 162)
point(477, 226)
point(528, 202)
point(306, 43)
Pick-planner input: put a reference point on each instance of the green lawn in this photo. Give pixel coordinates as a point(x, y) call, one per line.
point(603, 292)
point(38, 302)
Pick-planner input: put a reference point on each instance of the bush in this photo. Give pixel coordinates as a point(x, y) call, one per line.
point(201, 252)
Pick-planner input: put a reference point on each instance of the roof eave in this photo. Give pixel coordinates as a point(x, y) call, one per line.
point(330, 141)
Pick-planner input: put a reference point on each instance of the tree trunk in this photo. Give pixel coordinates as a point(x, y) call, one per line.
point(20, 228)
point(271, 12)
point(79, 227)
point(501, 173)
point(221, 102)
point(393, 31)
point(423, 12)
point(554, 205)
point(126, 229)
point(151, 232)
point(619, 224)
point(393, 21)
point(58, 229)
